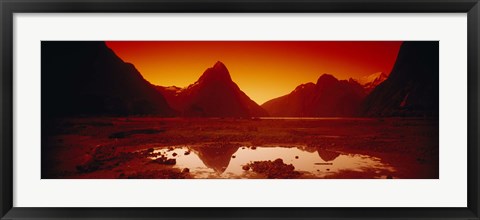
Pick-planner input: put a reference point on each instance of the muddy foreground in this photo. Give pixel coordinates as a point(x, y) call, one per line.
point(146, 147)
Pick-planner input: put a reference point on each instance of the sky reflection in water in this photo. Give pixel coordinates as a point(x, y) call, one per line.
point(227, 161)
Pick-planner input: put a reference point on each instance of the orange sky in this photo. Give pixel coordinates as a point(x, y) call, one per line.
point(263, 70)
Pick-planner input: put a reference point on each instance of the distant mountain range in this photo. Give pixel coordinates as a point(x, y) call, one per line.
point(88, 78)
point(412, 89)
point(328, 97)
point(214, 94)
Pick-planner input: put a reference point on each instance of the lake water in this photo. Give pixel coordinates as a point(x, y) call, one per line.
point(227, 161)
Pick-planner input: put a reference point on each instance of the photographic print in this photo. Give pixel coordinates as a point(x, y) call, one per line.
point(240, 109)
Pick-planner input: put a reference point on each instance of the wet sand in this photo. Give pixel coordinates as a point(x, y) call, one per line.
point(149, 147)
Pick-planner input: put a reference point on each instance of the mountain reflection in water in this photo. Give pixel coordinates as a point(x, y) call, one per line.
point(215, 157)
point(327, 155)
point(227, 161)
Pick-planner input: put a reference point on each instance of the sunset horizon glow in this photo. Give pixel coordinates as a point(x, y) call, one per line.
point(264, 70)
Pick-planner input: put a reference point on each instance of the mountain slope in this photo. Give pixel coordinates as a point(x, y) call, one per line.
point(214, 94)
point(87, 78)
point(328, 97)
point(295, 104)
point(371, 81)
point(412, 89)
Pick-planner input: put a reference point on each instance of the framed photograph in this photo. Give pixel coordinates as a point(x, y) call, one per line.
point(233, 109)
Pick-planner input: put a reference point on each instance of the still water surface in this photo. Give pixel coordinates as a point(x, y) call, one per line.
point(227, 162)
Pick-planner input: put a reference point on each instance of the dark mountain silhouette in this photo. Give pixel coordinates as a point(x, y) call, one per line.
point(328, 97)
point(412, 89)
point(88, 78)
point(213, 95)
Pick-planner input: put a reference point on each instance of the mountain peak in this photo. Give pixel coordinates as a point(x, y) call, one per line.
point(305, 86)
point(372, 77)
point(214, 94)
point(220, 65)
point(218, 72)
point(326, 79)
point(371, 81)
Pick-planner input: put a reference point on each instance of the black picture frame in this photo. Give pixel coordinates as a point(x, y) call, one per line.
point(9, 7)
